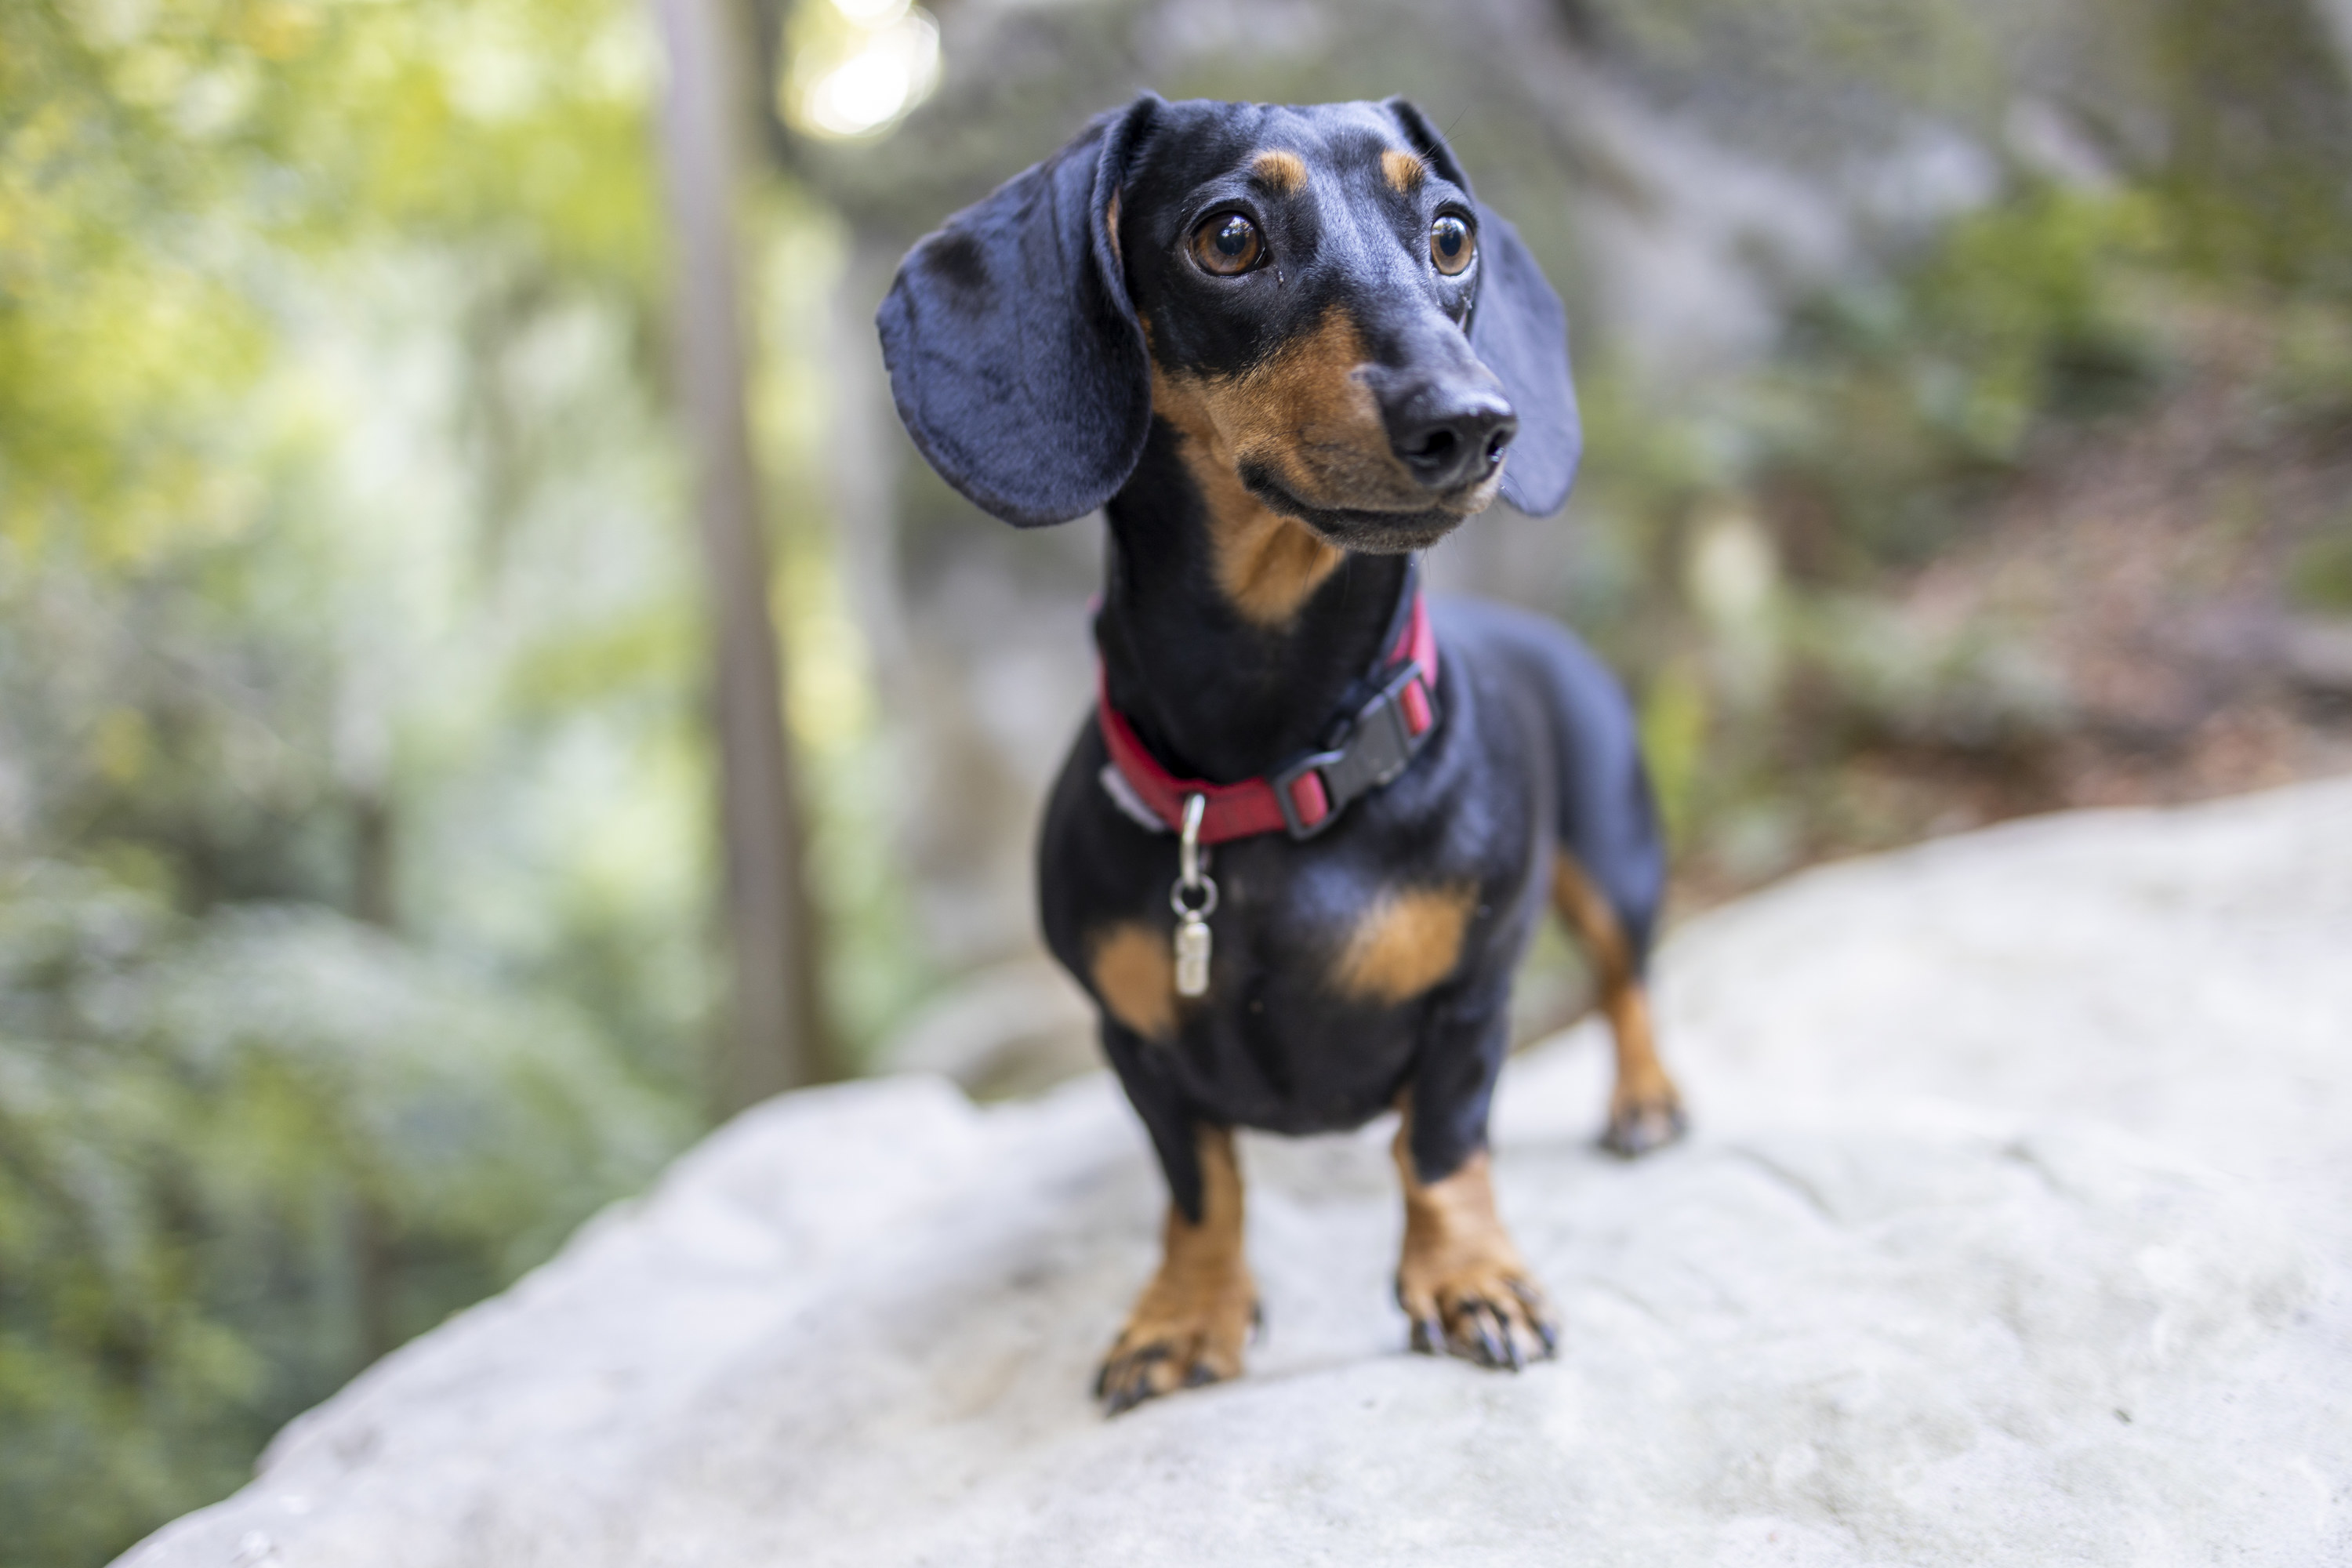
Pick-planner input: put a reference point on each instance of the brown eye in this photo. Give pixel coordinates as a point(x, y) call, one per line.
point(1450, 244)
point(1227, 245)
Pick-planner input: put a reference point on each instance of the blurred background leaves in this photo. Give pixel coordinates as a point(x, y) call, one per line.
point(1969, 407)
point(353, 906)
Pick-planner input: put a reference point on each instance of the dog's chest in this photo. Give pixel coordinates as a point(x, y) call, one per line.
point(1344, 933)
point(1319, 979)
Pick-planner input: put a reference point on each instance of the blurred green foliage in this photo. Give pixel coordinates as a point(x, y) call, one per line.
point(1894, 396)
point(241, 1156)
point(1745, 536)
point(356, 907)
point(2260, 136)
point(353, 913)
point(1891, 401)
point(2321, 573)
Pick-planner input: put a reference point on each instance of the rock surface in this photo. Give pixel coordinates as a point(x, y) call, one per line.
point(2012, 1230)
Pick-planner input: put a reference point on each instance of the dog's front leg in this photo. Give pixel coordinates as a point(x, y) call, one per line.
point(1460, 1278)
point(1190, 1325)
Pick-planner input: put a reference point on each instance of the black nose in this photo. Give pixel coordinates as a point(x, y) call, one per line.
point(1451, 436)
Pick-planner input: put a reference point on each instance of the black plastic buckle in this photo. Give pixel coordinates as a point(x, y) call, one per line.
point(1314, 762)
point(1377, 746)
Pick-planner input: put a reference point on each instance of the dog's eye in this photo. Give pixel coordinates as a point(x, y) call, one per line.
point(1227, 245)
point(1451, 245)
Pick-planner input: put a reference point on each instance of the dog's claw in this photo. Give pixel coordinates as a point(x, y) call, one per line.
point(1490, 1352)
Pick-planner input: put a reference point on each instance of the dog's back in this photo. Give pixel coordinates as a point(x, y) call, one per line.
point(1601, 809)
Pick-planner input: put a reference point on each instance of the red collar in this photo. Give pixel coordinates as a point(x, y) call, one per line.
point(1308, 795)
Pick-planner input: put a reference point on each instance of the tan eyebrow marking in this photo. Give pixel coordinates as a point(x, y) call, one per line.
point(1284, 171)
point(1402, 171)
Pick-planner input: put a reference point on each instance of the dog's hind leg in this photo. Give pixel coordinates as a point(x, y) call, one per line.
point(1646, 1110)
point(1189, 1326)
point(1609, 869)
point(1609, 865)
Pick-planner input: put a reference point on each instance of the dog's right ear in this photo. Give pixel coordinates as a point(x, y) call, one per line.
point(1015, 356)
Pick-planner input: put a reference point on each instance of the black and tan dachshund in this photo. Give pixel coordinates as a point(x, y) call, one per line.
point(1283, 349)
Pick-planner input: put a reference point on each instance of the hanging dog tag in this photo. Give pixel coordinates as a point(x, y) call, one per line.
point(1194, 900)
point(1191, 955)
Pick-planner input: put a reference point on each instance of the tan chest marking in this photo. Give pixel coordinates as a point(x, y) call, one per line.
point(1134, 973)
point(1406, 943)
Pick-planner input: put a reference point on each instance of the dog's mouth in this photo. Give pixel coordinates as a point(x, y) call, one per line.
point(1383, 528)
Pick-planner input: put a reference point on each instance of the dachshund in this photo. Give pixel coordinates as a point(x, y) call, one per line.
point(1295, 853)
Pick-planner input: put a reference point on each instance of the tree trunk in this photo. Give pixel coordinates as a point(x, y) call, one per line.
point(777, 1037)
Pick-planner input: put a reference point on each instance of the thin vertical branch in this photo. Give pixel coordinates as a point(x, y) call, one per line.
point(778, 1035)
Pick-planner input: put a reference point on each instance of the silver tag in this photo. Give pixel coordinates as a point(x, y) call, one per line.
point(1191, 957)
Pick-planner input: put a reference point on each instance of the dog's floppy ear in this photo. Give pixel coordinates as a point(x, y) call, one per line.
point(1015, 356)
point(1519, 331)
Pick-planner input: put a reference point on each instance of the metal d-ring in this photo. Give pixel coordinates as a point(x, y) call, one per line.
point(1193, 865)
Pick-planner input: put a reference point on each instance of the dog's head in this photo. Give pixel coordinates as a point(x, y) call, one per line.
point(1312, 297)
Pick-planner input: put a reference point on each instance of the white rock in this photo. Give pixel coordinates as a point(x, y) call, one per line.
point(2012, 1230)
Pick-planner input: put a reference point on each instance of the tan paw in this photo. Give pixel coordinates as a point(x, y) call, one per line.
point(1459, 1277)
point(1177, 1338)
point(1494, 1315)
point(1190, 1325)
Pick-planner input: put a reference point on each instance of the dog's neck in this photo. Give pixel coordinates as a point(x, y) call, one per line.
point(1216, 683)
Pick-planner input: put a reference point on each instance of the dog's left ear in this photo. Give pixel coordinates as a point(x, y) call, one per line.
point(1518, 330)
point(1016, 358)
